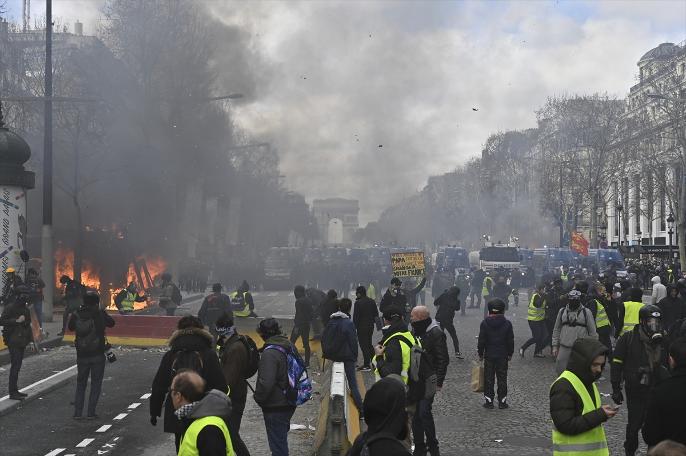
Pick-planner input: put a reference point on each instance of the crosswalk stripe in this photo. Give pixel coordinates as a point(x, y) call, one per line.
point(84, 443)
point(145, 396)
point(121, 416)
point(104, 428)
point(134, 405)
point(55, 452)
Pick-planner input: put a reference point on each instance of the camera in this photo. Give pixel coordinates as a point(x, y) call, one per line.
point(644, 377)
point(111, 357)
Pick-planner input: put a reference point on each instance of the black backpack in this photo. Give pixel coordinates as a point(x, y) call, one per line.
point(422, 378)
point(253, 354)
point(187, 359)
point(374, 438)
point(87, 340)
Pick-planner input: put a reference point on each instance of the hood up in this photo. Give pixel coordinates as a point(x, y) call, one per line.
point(655, 279)
point(215, 403)
point(584, 351)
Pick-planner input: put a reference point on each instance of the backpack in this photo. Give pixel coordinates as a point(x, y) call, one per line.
point(381, 436)
point(299, 389)
point(87, 340)
point(422, 376)
point(253, 355)
point(187, 359)
point(176, 295)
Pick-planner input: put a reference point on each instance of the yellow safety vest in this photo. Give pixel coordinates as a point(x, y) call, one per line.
point(535, 313)
point(485, 291)
point(189, 440)
point(631, 309)
point(564, 277)
point(406, 352)
point(590, 443)
point(127, 303)
point(371, 292)
point(601, 319)
point(246, 307)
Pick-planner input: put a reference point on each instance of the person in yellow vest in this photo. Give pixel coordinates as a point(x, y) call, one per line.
point(628, 313)
point(203, 416)
point(391, 355)
point(487, 286)
point(536, 319)
point(125, 299)
point(242, 303)
point(575, 406)
point(602, 321)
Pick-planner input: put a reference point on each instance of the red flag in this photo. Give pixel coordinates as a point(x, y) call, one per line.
point(578, 243)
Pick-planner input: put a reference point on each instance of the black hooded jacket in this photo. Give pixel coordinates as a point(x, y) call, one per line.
point(304, 310)
point(365, 313)
point(565, 404)
point(193, 339)
point(386, 418)
point(496, 338)
point(101, 320)
point(666, 416)
point(447, 304)
point(673, 309)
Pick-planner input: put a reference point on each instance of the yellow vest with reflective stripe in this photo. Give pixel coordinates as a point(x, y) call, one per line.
point(127, 303)
point(484, 290)
point(371, 292)
point(590, 443)
point(406, 352)
point(189, 441)
point(601, 319)
point(631, 309)
point(245, 312)
point(564, 277)
point(535, 313)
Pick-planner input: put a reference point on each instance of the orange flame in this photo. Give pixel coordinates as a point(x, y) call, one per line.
point(64, 265)
point(155, 265)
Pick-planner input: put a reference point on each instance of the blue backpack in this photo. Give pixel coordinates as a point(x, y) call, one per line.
point(299, 388)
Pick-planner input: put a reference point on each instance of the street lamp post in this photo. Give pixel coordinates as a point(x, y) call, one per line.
point(670, 231)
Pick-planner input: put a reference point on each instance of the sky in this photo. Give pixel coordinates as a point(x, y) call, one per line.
point(367, 99)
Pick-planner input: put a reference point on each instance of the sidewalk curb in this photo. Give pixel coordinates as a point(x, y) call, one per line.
point(38, 389)
point(47, 343)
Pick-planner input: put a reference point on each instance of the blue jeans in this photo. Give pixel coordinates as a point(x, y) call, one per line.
point(278, 423)
point(38, 308)
point(423, 426)
point(93, 367)
point(349, 367)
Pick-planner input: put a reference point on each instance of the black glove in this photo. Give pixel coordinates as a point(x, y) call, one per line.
point(153, 420)
point(617, 396)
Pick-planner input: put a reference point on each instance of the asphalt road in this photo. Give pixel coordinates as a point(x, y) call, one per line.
point(45, 426)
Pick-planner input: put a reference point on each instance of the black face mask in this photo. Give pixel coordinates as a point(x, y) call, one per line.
point(420, 326)
point(573, 305)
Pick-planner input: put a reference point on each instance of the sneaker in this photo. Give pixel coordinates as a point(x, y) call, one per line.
point(22, 394)
point(521, 352)
point(488, 405)
point(92, 417)
point(17, 397)
point(539, 355)
point(503, 405)
point(458, 355)
point(364, 369)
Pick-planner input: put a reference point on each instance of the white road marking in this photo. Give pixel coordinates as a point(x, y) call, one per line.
point(104, 428)
point(84, 443)
point(38, 383)
point(55, 452)
point(145, 396)
point(134, 405)
point(121, 416)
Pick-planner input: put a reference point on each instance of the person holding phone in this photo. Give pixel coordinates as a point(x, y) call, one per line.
point(575, 406)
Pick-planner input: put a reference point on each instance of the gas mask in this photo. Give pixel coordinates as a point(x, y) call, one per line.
point(653, 328)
